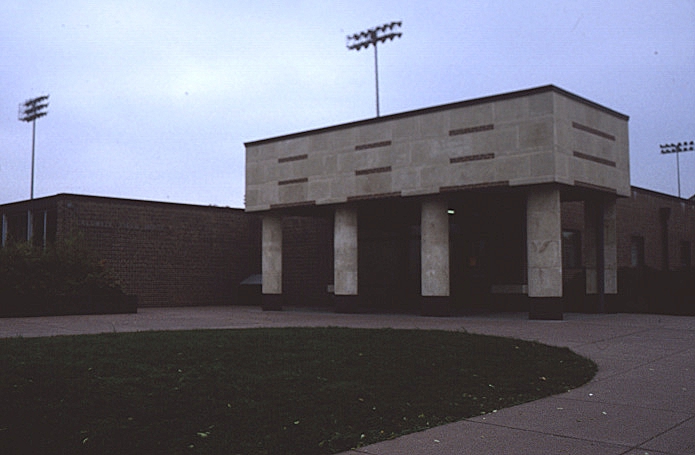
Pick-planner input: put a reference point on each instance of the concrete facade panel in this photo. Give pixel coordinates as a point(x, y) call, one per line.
point(510, 110)
point(564, 138)
point(481, 114)
point(536, 135)
point(318, 190)
point(407, 129)
point(293, 193)
point(345, 244)
point(472, 173)
point(610, 247)
point(435, 248)
point(271, 258)
point(543, 163)
point(513, 167)
point(379, 183)
point(543, 226)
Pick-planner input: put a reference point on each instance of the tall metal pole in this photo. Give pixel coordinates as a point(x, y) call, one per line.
point(33, 155)
point(29, 111)
point(678, 170)
point(677, 149)
point(376, 78)
point(374, 36)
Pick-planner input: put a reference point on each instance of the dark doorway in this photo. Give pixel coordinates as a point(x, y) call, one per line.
point(487, 252)
point(389, 257)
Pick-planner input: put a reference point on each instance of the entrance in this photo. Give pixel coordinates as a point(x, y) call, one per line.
point(487, 252)
point(389, 258)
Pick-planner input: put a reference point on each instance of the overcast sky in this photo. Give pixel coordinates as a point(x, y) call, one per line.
point(155, 99)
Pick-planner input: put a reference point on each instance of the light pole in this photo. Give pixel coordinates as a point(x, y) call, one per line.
point(677, 149)
point(374, 36)
point(29, 111)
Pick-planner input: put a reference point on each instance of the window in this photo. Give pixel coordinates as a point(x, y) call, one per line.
point(571, 249)
point(685, 255)
point(38, 231)
point(636, 251)
point(3, 231)
point(15, 228)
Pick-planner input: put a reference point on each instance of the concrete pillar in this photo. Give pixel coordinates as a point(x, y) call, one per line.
point(345, 248)
point(434, 247)
point(601, 254)
point(590, 252)
point(544, 252)
point(271, 263)
point(610, 250)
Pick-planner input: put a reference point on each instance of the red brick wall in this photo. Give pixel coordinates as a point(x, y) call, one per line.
point(639, 215)
point(168, 254)
point(175, 254)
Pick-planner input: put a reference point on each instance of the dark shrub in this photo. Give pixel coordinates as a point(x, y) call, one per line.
point(38, 281)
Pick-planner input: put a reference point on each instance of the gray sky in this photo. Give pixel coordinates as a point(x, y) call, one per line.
point(154, 99)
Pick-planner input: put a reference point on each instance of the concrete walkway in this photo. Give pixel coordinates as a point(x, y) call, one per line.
point(642, 400)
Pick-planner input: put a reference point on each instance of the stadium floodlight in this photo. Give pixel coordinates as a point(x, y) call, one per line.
point(677, 149)
point(29, 111)
point(373, 36)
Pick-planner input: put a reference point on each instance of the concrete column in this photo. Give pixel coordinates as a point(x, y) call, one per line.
point(434, 246)
point(544, 252)
point(610, 250)
point(590, 251)
point(345, 254)
point(601, 254)
point(271, 263)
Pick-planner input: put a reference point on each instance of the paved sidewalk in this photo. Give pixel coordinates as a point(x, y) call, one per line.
point(642, 400)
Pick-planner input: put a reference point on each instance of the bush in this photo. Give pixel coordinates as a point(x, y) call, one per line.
point(34, 280)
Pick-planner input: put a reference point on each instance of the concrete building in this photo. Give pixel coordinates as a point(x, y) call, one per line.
point(423, 198)
point(514, 202)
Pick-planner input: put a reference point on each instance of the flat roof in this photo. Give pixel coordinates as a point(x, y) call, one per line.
point(443, 107)
point(106, 199)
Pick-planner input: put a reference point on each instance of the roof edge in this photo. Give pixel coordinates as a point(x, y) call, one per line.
point(442, 107)
point(115, 199)
point(685, 200)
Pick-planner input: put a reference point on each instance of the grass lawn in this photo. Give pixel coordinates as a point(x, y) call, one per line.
point(261, 391)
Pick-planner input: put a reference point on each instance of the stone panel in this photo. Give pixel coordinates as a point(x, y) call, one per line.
point(536, 135)
point(552, 135)
point(435, 248)
point(345, 251)
point(271, 259)
point(543, 237)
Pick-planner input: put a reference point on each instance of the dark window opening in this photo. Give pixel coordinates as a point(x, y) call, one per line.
point(16, 225)
point(571, 249)
point(636, 251)
point(685, 255)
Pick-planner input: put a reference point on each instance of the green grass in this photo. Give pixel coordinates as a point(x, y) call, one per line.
point(261, 391)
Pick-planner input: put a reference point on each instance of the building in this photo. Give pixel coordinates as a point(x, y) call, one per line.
point(166, 254)
point(513, 202)
point(655, 235)
point(453, 207)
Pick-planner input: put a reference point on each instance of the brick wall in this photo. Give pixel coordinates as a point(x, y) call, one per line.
point(640, 215)
point(175, 254)
point(168, 254)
